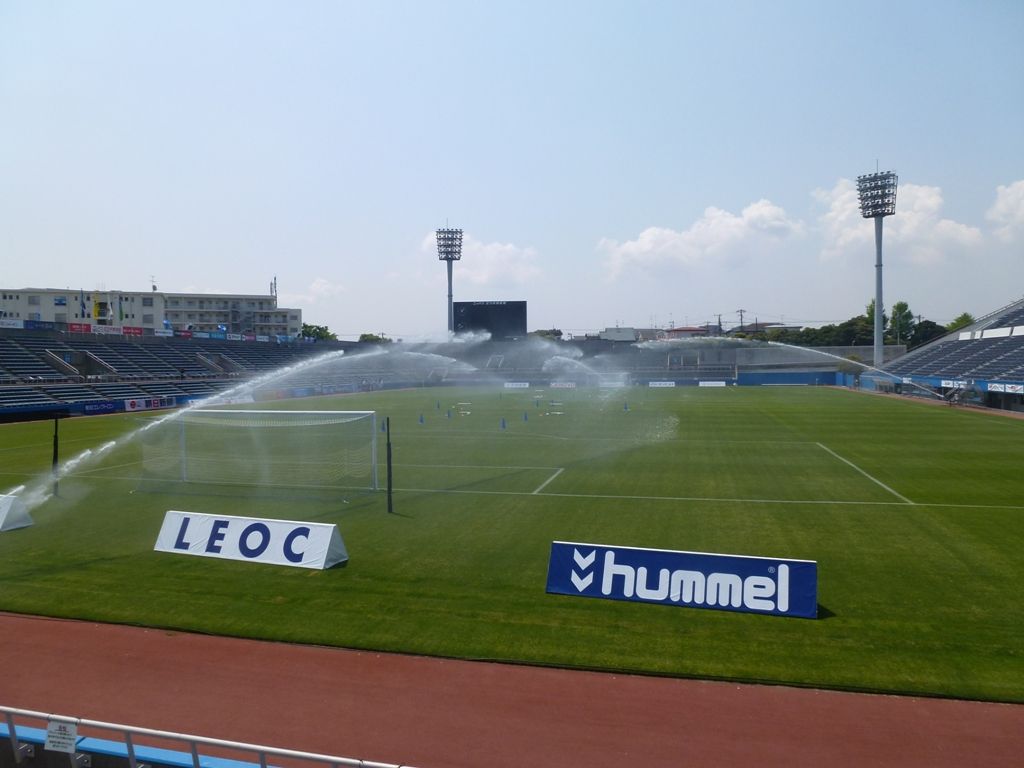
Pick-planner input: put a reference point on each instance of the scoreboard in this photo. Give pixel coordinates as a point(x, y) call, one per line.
point(502, 319)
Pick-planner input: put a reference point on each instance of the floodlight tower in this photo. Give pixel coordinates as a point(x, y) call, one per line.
point(877, 193)
point(449, 249)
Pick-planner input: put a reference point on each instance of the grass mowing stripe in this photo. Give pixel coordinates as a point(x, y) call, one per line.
point(624, 497)
point(869, 477)
point(634, 497)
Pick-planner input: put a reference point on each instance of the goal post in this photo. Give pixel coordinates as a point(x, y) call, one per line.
point(278, 448)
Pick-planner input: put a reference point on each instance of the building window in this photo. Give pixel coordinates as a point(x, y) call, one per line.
point(60, 317)
point(33, 301)
point(147, 319)
point(60, 301)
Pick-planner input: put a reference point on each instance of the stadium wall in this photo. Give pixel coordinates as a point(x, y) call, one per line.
point(782, 378)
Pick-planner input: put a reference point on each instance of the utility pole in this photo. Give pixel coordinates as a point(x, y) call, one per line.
point(740, 312)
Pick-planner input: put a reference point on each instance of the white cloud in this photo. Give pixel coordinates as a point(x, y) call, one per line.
point(917, 231)
point(842, 227)
point(492, 264)
point(322, 288)
point(1008, 211)
point(717, 235)
point(320, 292)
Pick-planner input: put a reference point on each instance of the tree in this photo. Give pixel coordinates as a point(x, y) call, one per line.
point(870, 314)
point(901, 326)
point(857, 331)
point(374, 338)
point(860, 330)
point(925, 331)
point(550, 333)
point(961, 321)
point(318, 332)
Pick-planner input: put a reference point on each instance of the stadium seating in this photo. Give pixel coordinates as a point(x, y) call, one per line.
point(992, 349)
point(47, 369)
point(19, 397)
point(20, 362)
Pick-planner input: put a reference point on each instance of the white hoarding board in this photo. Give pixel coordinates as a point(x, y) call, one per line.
point(13, 513)
point(278, 542)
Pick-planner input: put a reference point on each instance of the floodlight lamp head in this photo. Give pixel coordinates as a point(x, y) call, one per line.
point(877, 193)
point(449, 244)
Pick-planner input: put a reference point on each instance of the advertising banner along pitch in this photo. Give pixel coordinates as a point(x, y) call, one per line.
point(278, 542)
point(776, 586)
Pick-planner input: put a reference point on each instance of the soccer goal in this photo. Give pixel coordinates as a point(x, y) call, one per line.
point(279, 448)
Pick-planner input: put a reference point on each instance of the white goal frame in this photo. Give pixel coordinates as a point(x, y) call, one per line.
point(289, 418)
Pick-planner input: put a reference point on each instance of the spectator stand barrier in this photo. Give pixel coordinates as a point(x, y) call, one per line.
point(28, 747)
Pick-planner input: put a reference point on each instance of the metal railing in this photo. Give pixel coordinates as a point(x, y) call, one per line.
point(126, 732)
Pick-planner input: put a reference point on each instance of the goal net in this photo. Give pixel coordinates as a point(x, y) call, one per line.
point(281, 448)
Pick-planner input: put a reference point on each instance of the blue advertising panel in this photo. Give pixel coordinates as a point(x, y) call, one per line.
point(98, 406)
point(40, 325)
point(772, 585)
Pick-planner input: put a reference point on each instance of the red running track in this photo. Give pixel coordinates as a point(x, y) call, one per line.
point(436, 713)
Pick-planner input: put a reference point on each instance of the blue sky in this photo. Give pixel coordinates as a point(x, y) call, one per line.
point(632, 163)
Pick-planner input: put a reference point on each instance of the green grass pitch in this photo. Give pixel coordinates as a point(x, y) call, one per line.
point(914, 513)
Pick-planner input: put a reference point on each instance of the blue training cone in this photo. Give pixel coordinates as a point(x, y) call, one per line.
point(625, 406)
point(504, 425)
point(421, 418)
point(526, 416)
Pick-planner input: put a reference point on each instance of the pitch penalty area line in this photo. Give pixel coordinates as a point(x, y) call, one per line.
point(875, 480)
point(544, 485)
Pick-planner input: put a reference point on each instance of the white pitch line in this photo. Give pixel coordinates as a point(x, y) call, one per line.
point(544, 485)
point(869, 477)
point(465, 466)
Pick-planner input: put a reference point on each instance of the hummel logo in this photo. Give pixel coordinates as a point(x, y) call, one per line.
point(583, 563)
point(749, 583)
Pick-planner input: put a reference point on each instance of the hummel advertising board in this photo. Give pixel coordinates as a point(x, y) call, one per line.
point(776, 586)
point(279, 542)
